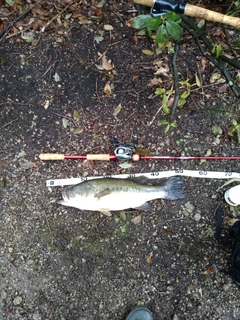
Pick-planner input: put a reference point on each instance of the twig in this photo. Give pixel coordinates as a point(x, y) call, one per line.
point(55, 17)
point(11, 24)
point(6, 124)
point(154, 117)
point(186, 22)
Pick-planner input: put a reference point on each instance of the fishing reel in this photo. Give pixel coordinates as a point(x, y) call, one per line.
point(123, 151)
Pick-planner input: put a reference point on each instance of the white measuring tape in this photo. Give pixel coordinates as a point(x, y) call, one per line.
point(149, 175)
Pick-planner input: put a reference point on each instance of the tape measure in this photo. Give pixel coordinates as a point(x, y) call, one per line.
point(149, 175)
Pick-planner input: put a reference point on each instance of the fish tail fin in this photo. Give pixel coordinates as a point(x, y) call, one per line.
point(174, 188)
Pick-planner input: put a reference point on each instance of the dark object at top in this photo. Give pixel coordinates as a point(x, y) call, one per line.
point(161, 7)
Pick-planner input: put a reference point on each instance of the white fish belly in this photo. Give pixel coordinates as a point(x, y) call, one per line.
point(115, 201)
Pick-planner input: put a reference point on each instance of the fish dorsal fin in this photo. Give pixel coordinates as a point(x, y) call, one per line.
point(141, 179)
point(102, 193)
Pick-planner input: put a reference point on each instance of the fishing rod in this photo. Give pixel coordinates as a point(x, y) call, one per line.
point(124, 152)
point(149, 175)
point(160, 7)
point(133, 157)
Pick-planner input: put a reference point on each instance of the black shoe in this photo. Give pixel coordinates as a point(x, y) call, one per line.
point(140, 313)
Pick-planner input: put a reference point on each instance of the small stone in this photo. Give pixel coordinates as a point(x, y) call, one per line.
point(36, 316)
point(216, 130)
point(17, 301)
point(227, 286)
point(197, 216)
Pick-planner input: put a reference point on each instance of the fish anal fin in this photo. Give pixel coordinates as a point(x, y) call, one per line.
point(145, 206)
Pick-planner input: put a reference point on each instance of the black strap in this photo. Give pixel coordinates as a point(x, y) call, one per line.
point(219, 220)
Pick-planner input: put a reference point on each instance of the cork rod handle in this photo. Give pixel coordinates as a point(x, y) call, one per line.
point(202, 13)
point(148, 3)
point(103, 157)
point(51, 156)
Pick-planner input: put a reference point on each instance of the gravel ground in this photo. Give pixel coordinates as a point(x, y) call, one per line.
point(62, 263)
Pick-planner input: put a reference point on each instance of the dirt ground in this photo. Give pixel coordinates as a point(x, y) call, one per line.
point(62, 263)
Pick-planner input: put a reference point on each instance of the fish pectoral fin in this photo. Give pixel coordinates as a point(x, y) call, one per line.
point(145, 206)
point(106, 212)
point(102, 193)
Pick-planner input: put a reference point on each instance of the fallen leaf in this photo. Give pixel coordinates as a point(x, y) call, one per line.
point(106, 64)
point(107, 89)
point(46, 105)
point(149, 258)
point(68, 15)
point(27, 37)
point(123, 215)
point(198, 82)
point(143, 152)
point(117, 110)
point(65, 123)
point(101, 4)
point(134, 78)
point(2, 182)
point(56, 77)
point(148, 52)
point(205, 63)
point(155, 81)
point(76, 130)
point(163, 70)
point(137, 219)
point(208, 153)
point(207, 271)
point(76, 115)
point(98, 39)
point(125, 165)
point(108, 27)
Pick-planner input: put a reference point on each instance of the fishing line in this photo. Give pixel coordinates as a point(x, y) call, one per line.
point(149, 175)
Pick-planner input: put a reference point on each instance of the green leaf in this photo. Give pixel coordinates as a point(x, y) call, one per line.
point(141, 21)
point(162, 35)
point(198, 82)
point(165, 108)
point(173, 17)
point(153, 24)
point(167, 128)
point(173, 29)
point(160, 91)
point(163, 121)
point(76, 115)
point(185, 94)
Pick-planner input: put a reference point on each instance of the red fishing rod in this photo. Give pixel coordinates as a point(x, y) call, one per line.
point(124, 152)
point(133, 157)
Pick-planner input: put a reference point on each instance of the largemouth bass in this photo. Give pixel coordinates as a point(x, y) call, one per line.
point(109, 194)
